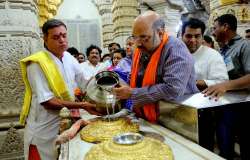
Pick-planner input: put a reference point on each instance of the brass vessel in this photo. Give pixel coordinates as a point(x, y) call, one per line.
point(99, 92)
point(100, 130)
point(100, 86)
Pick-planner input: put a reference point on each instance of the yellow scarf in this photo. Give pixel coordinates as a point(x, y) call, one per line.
point(53, 76)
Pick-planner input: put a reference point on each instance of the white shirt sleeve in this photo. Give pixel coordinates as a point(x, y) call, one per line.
point(80, 77)
point(217, 71)
point(38, 83)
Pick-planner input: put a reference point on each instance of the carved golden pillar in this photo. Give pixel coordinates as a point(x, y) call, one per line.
point(47, 9)
point(239, 8)
point(124, 13)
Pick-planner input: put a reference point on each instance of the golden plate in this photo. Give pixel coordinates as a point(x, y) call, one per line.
point(147, 149)
point(101, 130)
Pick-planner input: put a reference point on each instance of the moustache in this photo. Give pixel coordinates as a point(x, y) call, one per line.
point(140, 47)
point(95, 56)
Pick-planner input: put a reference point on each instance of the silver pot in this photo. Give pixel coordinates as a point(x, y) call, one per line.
point(99, 89)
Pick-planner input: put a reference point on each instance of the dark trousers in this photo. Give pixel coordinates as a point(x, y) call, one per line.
point(206, 129)
point(231, 122)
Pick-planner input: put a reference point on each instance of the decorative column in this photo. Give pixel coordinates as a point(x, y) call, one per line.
point(104, 8)
point(171, 16)
point(239, 8)
point(124, 13)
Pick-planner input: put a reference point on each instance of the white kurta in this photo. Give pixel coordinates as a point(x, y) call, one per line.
point(90, 70)
point(42, 124)
point(209, 66)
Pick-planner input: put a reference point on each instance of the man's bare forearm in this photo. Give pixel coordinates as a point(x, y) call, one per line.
point(240, 83)
point(57, 104)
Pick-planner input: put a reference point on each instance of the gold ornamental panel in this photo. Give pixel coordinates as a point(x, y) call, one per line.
point(147, 149)
point(241, 12)
point(47, 9)
point(100, 130)
point(185, 115)
point(227, 2)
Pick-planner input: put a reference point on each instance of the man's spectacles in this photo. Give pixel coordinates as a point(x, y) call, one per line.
point(141, 38)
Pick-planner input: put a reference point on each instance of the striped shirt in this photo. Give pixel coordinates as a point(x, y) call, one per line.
point(175, 76)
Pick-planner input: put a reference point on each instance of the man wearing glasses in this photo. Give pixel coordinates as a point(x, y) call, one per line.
point(162, 68)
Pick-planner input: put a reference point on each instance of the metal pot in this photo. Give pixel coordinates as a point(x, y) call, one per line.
point(99, 89)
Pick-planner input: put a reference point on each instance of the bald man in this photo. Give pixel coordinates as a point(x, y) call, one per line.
point(162, 68)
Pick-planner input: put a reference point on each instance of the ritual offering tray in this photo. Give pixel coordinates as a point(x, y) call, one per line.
point(130, 146)
point(102, 129)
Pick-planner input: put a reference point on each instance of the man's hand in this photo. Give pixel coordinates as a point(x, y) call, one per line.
point(90, 108)
point(123, 92)
point(216, 91)
point(201, 85)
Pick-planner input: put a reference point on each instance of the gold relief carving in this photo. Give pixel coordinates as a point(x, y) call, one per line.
point(239, 10)
point(147, 149)
point(47, 9)
point(244, 14)
point(43, 11)
point(227, 2)
point(101, 130)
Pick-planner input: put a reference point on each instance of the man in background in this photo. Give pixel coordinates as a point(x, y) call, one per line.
point(162, 68)
point(209, 69)
point(93, 65)
point(247, 36)
point(235, 51)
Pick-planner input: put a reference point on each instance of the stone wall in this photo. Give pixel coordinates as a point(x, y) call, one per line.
point(19, 37)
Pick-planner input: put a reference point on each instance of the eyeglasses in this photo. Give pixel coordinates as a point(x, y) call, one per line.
point(142, 38)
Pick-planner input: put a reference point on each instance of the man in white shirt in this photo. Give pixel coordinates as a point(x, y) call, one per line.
point(209, 65)
point(50, 78)
point(209, 69)
point(92, 66)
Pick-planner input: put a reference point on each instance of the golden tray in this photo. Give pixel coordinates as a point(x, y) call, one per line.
point(147, 149)
point(100, 130)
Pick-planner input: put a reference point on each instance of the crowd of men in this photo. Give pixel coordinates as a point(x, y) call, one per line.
point(156, 67)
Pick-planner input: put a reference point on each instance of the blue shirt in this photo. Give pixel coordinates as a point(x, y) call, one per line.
point(236, 56)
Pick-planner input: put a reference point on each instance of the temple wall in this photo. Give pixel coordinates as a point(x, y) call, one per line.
point(240, 8)
point(19, 37)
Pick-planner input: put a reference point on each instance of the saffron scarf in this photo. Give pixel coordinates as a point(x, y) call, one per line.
point(53, 76)
point(150, 110)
